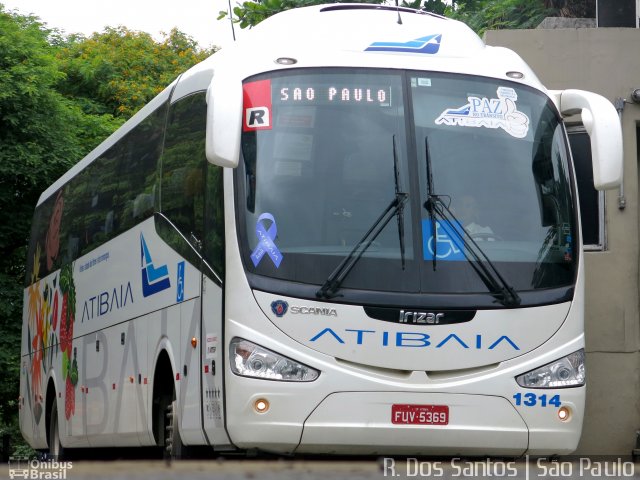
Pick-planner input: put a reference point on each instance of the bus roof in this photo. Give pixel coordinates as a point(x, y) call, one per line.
point(366, 35)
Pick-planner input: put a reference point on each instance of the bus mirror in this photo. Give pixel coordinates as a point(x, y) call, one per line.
point(224, 120)
point(602, 123)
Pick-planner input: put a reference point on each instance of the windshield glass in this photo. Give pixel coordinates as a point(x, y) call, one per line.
point(320, 149)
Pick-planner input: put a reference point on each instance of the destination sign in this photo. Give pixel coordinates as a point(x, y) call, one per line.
point(335, 94)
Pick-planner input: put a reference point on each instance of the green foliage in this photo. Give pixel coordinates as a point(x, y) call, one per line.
point(433, 6)
point(60, 97)
point(572, 8)
point(250, 13)
point(482, 15)
point(119, 70)
point(36, 141)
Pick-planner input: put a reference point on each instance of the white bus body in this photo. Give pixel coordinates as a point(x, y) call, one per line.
point(203, 292)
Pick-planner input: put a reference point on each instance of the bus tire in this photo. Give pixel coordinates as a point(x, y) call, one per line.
point(56, 450)
point(174, 448)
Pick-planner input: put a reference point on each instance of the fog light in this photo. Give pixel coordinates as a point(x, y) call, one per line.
point(261, 405)
point(564, 414)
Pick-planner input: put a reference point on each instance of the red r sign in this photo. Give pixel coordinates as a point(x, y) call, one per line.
point(257, 106)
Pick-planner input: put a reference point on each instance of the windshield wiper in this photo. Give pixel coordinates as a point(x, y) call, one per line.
point(400, 211)
point(429, 204)
point(395, 207)
point(482, 264)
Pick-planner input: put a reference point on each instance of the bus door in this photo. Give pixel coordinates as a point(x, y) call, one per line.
point(212, 368)
point(213, 363)
point(189, 367)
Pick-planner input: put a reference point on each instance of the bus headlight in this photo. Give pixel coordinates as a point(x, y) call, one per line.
point(565, 372)
point(250, 360)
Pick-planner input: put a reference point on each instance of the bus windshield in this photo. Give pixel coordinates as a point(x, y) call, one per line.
point(325, 151)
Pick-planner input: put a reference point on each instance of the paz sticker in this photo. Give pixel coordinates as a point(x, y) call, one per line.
point(501, 112)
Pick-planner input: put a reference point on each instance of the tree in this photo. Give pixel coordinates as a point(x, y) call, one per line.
point(120, 70)
point(573, 8)
point(433, 6)
point(484, 15)
point(38, 141)
point(250, 13)
point(480, 15)
point(59, 98)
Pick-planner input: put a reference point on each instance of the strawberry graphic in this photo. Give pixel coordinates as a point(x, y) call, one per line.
point(65, 332)
point(54, 319)
point(67, 319)
point(69, 399)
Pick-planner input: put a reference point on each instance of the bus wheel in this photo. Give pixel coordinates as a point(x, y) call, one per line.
point(56, 450)
point(173, 449)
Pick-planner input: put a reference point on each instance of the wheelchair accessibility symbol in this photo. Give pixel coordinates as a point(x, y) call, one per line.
point(446, 243)
point(180, 283)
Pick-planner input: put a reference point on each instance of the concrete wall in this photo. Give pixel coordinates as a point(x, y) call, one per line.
point(605, 61)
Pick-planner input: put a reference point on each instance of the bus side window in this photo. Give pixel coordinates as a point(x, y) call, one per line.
point(73, 239)
point(36, 263)
point(214, 220)
point(138, 167)
point(591, 201)
point(100, 200)
point(182, 177)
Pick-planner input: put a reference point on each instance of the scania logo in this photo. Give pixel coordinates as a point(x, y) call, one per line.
point(279, 307)
point(420, 317)
point(327, 312)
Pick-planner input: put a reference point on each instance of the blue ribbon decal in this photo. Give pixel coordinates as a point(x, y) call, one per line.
point(265, 241)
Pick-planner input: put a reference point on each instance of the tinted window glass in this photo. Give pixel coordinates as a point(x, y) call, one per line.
point(589, 196)
point(320, 151)
point(214, 220)
point(139, 162)
point(183, 166)
point(36, 263)
point(185, 177)
point(499, 162)
point(100, 219)
point(112, 194)
point(322, 174)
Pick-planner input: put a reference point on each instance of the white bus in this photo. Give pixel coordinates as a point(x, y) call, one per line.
point(355, 231)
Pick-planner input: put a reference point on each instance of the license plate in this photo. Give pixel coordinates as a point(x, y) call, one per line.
point(404, 414)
